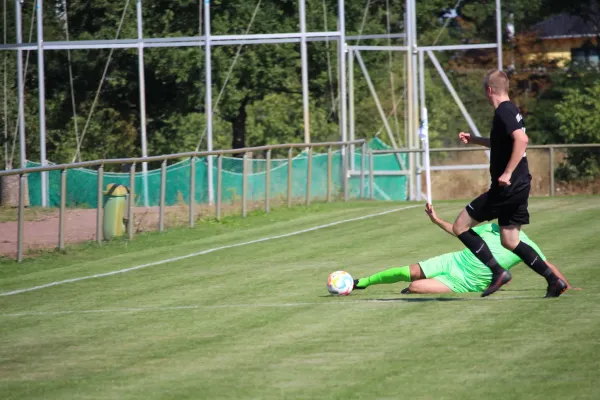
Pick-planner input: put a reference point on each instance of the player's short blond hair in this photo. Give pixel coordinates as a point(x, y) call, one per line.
point(497, 80)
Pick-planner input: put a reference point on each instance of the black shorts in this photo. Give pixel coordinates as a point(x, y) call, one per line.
point(509, 208)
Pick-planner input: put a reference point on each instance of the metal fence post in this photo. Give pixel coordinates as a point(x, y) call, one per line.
point(21, 217)
point(371, 176)
point(363, 154)
point(552, 184)
point(309, 176)
point(163, 189)
point(289, 188)
point(419, 184)
point(268, 182)
point(329, 173)
point(219, 186)
point(244, 184)
point(192, 199)
point(130, 216)
point(99, 210)
point(61, 217)
point(345, 172)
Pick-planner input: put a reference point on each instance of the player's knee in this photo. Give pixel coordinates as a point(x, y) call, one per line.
point(509, 243)
point(458, 229)
point(414, 288)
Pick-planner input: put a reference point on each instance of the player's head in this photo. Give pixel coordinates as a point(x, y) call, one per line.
point(495, 84)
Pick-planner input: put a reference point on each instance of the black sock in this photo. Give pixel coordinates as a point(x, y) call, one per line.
point(475, 243)
point(534, 261)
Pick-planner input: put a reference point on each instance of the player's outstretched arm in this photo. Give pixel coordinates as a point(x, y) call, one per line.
point(467, 138)
point(445, 225)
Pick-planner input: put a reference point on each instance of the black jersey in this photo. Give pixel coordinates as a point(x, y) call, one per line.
point(507, 119)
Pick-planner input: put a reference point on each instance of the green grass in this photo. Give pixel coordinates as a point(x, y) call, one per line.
point(259, 323)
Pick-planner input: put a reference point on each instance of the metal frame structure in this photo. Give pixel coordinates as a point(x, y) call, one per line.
point(208, 41)
point(417, 119)
point(22, 172)
point(63, 168)
point(551, 160)
point(362, 174)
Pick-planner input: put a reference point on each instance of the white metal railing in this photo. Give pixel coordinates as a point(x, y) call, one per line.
point(63, 168)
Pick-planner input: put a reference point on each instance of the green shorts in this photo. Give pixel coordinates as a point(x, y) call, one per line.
point(451, 271)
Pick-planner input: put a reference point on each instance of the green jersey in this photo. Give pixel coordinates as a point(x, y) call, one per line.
point(461, 271)
point(490, 233)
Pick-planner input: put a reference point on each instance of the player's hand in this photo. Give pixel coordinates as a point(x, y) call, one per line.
point(431, 213)
point(504, 179)
point(465, 137)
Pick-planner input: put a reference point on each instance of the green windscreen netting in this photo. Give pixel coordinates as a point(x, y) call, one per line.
point(82, 183)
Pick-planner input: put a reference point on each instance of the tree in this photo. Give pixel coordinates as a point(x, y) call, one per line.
point(579, 118)
point(261, 103)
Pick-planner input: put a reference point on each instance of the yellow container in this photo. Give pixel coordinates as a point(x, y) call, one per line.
point(115, 200)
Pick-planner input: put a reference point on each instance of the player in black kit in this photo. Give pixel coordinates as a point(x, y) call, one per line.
point(507, 198)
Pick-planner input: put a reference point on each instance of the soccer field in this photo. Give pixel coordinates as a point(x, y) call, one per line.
point(214, 313)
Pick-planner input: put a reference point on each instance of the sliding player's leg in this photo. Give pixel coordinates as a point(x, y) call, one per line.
point(391, 275)
point(479, 210)
point(445, 269)
point(428, 286)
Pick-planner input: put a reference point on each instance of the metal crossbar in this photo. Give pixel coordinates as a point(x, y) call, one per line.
point(22, 172)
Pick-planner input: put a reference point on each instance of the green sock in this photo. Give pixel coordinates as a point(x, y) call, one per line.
point(391, 275)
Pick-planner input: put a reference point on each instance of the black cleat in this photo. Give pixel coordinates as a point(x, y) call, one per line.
point(356, 286)
point(405, 291)
point(557, 288)
point(497, 281)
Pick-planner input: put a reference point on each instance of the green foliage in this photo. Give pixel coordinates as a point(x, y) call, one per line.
point(261, 102)
point(278, 118)
point(579, 118)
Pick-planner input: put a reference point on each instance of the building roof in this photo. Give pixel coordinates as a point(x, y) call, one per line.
point(566, 26)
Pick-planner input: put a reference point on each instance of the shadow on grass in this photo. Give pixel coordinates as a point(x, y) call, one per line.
point(420, 299)
point(411, 299)
point(406, 299)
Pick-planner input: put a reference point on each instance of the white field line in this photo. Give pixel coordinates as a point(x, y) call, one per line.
point(405, 300)
point(200, 253)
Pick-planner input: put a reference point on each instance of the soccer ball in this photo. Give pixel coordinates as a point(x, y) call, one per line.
point(340, 283)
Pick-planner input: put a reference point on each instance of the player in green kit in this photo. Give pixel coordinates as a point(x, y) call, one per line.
point(460, 271)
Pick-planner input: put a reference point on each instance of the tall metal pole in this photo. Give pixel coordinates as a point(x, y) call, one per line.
point(415, 98)
point(21, 223)
point(420, 156)
point(42, 98)
point(304, 56)
point(424, 128)
point(342, 87)
point(142, 83)
point(422, 81)
point(21, 89)
point(208, 106)
point(409, 94)
point(342, 71)
point(351, 121)
point(499, 32)
point(4, 94)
